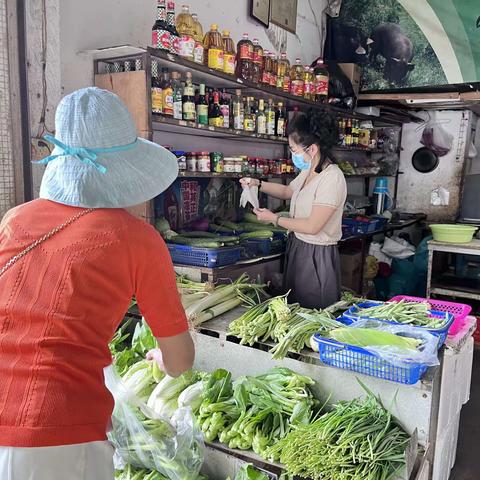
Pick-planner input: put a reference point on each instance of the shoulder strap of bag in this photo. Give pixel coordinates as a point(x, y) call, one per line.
point(43, 239)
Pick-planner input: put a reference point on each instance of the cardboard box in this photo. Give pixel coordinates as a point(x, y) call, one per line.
point(351, 269)
point(354, 73)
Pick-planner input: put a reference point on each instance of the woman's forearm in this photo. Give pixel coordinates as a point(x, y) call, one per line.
point(282, 192)
point(298, 225)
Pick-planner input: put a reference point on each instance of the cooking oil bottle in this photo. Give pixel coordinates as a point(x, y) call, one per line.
point(228, 53)
point(198, 51)
point(185, 28)
point(213, 48)
point(297, 84)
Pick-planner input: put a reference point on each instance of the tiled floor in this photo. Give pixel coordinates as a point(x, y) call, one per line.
point(467, 466)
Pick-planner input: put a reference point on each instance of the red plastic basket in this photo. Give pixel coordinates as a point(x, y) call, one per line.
point(459, 310)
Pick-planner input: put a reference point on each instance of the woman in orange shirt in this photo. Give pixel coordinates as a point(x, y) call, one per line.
point(62, 298)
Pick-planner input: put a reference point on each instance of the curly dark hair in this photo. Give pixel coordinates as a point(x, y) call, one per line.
point(315, 127)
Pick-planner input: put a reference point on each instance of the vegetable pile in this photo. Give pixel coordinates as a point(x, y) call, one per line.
point(290, 326)
point(357, 440)
point(413, 313)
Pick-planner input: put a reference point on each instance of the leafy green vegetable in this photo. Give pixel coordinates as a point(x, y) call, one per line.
point(249, 472)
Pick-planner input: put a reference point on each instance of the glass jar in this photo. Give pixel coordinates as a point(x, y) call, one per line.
point(273, 167)
point(203, 161)
point(191, 162)
point(216, 162)
point(252, 165)
point(238, 165)
point(245, 168)
point(284, 166)
point(182, 160)
point(259, 166)
point(229, 165)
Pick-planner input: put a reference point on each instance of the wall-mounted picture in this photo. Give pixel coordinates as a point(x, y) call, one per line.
point(400, 46)
point(260, 11)
point(284, 14)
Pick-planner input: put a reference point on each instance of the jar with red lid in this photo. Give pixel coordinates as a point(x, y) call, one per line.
point(191, 161)
point(252, 165)
point(272, 167)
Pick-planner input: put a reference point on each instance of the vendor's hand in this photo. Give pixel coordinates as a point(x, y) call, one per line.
point(156, 355)
point(249, 182)
point(265, 215)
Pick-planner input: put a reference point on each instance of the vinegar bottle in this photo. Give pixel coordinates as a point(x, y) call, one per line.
point(257, 69)
point(297, 85)
point(244, 58)
point(321, 82)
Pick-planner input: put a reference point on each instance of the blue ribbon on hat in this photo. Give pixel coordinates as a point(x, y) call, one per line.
point(86, 155)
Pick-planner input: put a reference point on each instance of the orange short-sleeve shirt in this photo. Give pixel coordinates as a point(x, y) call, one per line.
point(60, 306)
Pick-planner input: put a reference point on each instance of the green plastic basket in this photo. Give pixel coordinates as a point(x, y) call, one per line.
point(453, 233)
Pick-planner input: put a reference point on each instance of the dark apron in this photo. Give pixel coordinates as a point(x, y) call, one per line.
point(312, 273)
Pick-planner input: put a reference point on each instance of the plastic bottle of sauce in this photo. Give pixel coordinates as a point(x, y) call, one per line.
point(185, 28)
point(225, 108)
point(177, 96)
point(261, 118)
point(270, 116)
point(244, 58)
point(321, 82)
point(229, 55)
point(198, 51)
point(274, 69)
point(266, 68)
point(249, 116)
point(309, 83)
point(297, 85)
point(213, 56)
point(281, 120)
point(257, 69)
point(160, 30)
point(283, 73)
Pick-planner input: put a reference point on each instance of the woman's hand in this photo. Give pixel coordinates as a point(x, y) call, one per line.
point(156, 355)
point(266, 216)
point(249, 182)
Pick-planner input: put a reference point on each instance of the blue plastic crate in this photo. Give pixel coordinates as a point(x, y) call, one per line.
point(359, 360)
point(352, 315)
point(262, 247)
point(204, 257)
point(360, 227)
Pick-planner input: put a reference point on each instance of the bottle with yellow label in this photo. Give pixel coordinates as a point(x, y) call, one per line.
point(229, 54)
point(157, 101)
point(167, 93)
point(213, 55)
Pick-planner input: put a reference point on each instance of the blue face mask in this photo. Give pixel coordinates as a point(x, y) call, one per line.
point(299, 161)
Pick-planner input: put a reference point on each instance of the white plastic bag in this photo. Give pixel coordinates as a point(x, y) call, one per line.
point(396, 247)
point(426, 353)
point(249, 195)
point(173, 447)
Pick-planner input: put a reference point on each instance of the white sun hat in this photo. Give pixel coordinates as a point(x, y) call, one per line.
point(98, 160)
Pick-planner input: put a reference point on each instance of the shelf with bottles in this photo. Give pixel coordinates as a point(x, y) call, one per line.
point(186, 174)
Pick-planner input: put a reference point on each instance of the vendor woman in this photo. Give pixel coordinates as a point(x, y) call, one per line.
point(317, 196)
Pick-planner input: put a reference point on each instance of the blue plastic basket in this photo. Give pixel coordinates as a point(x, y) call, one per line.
point(262, 247)
point(204, 257)
point(359, 360)
point(360, 227)
point(352, 315)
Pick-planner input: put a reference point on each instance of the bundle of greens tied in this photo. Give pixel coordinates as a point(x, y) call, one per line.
point(412, 313)
point(289, 326)
point(356, 440)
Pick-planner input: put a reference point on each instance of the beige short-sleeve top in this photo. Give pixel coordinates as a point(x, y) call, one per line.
point(328, 188)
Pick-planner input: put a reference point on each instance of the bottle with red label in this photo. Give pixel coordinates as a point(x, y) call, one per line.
point(244, 58)
point(309, 83)
point(229, 55)
point(214, 48)
point(174, 36)
point(321, 82)
point(274, 69)
point(283, 73)
point(297, 84)
point(185, 28)
point(257, 69)
point(267, 66)
point(160, 30)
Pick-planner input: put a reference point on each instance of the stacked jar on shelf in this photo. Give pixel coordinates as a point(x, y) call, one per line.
point(204, 162)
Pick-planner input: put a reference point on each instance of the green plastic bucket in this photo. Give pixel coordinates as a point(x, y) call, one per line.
point(453, 233)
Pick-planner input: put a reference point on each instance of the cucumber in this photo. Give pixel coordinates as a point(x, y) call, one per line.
point(251, 218)
point(196, 234)
point(225, 239)
point(260, 235)
point(220, 228)
point(230, 225)
point(196, 242)
point(252, 227)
